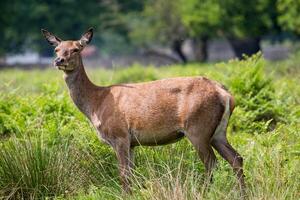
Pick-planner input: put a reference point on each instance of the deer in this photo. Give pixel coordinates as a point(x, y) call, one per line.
point(150, 113)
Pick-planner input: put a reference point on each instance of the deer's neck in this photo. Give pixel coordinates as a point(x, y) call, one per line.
point(82, 91)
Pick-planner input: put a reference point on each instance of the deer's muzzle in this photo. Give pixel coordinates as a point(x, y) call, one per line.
point(59, 61)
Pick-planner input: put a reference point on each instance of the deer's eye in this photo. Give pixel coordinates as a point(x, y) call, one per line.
point(56, 50)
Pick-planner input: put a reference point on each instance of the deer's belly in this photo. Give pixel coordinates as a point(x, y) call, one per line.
point(155, 138)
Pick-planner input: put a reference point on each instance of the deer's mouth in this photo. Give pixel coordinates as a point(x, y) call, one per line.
point(61, 67)
point(64, 67)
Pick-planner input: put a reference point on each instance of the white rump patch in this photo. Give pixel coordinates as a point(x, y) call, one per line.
point(221, 129)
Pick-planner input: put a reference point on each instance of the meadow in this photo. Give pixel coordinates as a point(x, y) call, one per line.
point(49, 150)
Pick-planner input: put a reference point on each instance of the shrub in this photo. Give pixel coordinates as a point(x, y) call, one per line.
point(7, 125)
point(48, 112)
point(256, 101)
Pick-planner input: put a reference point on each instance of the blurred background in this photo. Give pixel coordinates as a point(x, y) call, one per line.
point(156, 32)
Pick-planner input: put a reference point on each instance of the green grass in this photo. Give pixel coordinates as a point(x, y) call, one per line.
point(48, 149)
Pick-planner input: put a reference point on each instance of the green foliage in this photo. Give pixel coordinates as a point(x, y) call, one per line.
point(233, 19)
point(49, 112)
point(49, 150)
point(289, 17)
point(202, 18)
point(251, 19)
point(254, 92)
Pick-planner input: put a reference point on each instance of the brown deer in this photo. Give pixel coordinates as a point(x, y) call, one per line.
point(151, 113)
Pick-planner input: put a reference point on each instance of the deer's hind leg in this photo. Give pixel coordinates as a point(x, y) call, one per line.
point(200, 128)
point(221, 144)
point(232, 157)
point(200, 138)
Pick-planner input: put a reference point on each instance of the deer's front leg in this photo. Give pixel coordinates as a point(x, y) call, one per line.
point(123, 152)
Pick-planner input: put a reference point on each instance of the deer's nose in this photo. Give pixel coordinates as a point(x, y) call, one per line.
point(59, 61)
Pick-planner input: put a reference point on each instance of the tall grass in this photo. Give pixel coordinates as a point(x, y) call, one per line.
point(33, 169)
point(271, 166)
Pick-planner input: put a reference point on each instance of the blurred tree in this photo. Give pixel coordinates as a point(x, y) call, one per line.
point(159, 23)
point(8, 22)
point(289, 15)
point(115, 25)
point(4, 21)
point(21, 21)
point(242, 23)
point(203, 20)
point(66, 18)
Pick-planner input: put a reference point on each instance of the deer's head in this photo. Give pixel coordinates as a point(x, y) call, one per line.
point(68, 52)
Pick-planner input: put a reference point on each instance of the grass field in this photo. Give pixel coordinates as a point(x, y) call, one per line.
point(48, 149)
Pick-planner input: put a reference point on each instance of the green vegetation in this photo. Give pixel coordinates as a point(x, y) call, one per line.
point(235, 20)
point(289, 15)
point(48, 149)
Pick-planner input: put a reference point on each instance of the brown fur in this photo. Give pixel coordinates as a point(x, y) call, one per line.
point(152, 113)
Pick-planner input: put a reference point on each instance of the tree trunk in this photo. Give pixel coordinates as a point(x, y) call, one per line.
point(200, 46)
point(246, 46)
point(177, 48)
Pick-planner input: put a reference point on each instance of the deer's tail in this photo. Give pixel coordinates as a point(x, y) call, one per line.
point(220, 131)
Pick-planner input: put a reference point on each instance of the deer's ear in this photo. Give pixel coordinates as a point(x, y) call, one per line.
point(51, 38)
point(86, 37)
